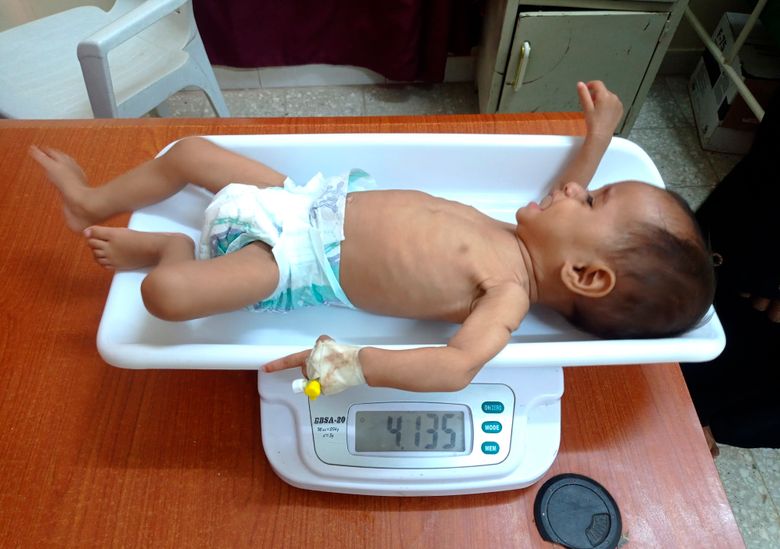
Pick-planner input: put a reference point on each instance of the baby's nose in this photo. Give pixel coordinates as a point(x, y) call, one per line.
point(573, 190)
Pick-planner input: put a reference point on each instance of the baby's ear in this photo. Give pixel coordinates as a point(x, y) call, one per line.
point(589, 280)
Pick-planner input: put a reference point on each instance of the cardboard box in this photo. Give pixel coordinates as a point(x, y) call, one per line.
point(724, 121)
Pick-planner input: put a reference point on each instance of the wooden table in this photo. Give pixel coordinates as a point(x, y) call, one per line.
point(95, 455)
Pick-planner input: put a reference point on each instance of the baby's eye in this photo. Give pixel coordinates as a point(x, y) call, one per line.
point(589, 199)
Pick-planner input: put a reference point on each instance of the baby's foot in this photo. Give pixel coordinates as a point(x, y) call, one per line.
point(69, 179)
point(124, 249)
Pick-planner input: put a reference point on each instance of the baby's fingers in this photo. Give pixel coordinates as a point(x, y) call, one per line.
point(599, 92)
point(597, 87)
point(295, 360)
point(586, 100)
point(40, 155)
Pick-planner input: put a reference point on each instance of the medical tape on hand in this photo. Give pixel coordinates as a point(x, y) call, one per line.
point(335, 365)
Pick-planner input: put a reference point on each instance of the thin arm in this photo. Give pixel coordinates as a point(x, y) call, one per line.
point(603, 110)
point(450, 368)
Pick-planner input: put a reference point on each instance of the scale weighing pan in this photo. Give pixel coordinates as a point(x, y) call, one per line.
point(495, 174)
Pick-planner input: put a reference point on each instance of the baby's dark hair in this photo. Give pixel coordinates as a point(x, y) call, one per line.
point(664, 283)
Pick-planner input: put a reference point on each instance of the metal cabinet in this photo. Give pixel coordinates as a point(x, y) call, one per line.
point(532, 55)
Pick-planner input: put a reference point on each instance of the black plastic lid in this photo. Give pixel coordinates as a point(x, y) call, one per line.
point(577, 512)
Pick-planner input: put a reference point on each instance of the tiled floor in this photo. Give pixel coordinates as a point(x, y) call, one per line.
point(453, 98)
point(664, 128)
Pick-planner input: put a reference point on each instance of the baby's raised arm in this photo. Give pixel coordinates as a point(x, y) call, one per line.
point(603, 110)
point(482, 336)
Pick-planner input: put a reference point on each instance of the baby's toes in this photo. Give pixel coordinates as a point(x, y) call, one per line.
point(99, 252)
point(97, 232)
point(97, 245)
point(102, 255)
point(104, 261)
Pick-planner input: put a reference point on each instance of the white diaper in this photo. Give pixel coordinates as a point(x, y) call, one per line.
point(303, 224)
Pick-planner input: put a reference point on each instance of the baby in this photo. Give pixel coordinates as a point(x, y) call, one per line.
point(626, 260)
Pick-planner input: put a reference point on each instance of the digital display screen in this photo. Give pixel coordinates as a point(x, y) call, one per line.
point(410, 431)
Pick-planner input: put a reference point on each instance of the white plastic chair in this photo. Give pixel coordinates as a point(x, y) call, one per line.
point(86, 62)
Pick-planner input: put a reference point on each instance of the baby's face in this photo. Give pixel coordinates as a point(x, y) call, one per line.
point(591, 220)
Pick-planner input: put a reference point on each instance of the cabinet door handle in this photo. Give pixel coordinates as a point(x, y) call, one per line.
point(522, 65)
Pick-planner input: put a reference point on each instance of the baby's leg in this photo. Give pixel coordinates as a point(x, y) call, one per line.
point(191, 160)
point(180, 287)
point(183, 290)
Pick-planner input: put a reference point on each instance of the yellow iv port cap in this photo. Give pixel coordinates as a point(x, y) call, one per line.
point(311, 388)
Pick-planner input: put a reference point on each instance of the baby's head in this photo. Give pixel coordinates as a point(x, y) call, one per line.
point(631, 256)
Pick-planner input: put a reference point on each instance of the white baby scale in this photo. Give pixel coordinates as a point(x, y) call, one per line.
point(500, 433)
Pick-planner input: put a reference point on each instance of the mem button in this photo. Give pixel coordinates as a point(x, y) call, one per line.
point(490, 447)
point(492, 407)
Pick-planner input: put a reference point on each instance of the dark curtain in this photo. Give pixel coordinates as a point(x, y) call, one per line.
point(404, 40)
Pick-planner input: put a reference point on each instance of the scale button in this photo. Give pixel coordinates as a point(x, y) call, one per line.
point(491, 426)
point(492, 407)
point(490, 447)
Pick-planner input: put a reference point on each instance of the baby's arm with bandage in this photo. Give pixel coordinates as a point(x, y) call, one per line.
point(451, 367)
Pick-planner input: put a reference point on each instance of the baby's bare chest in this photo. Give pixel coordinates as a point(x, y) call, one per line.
point(412, 254)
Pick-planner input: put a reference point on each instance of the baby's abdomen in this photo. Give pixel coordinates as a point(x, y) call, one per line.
point(404, 256)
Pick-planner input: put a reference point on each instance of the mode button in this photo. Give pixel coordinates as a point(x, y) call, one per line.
point(491, 426)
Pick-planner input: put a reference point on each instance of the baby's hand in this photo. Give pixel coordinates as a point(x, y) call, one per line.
point(601, 107)
point(335, 365)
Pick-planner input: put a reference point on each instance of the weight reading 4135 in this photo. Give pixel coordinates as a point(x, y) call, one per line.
point(409, 431)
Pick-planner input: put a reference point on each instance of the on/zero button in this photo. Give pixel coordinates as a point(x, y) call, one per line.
point(492, 407)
